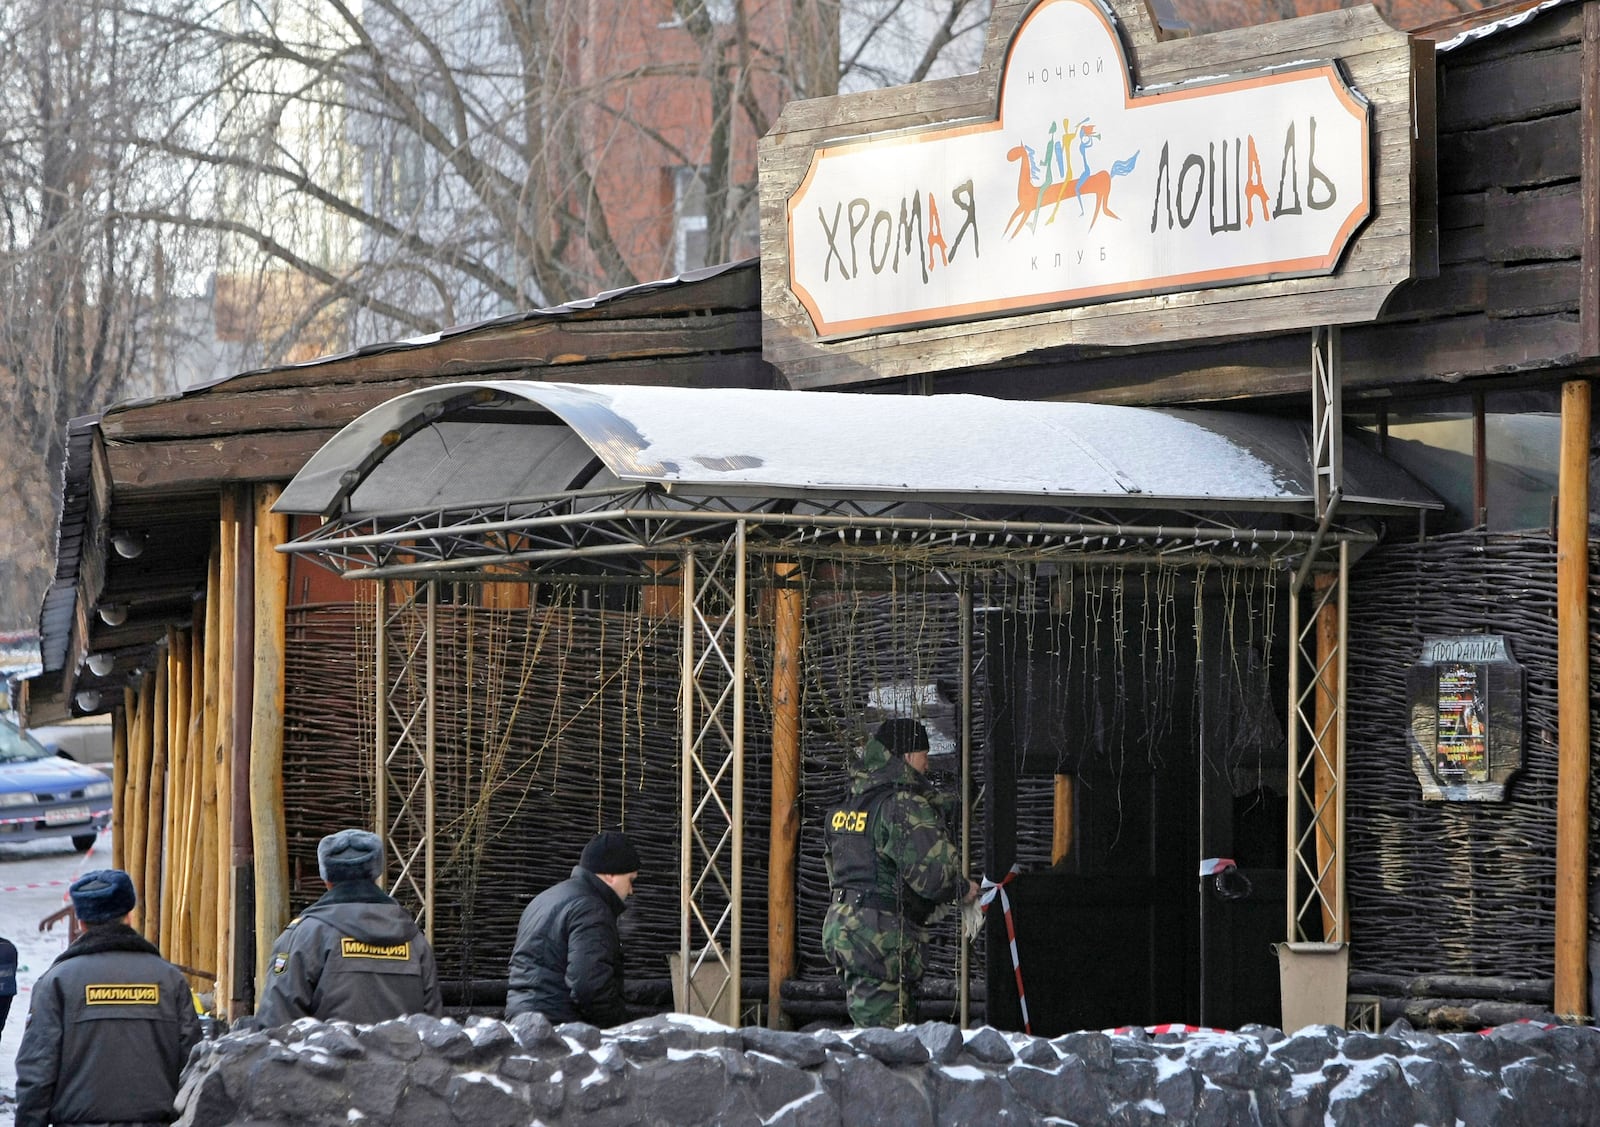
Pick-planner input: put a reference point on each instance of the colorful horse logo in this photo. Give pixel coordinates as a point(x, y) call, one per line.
point(1038, 188)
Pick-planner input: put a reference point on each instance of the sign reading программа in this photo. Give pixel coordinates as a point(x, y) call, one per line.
point(1083, 189)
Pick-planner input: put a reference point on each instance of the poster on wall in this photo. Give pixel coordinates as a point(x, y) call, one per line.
point(1466, 697)
point(1463, 741)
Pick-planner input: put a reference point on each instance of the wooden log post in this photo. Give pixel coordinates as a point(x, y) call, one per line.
point(119, 778)
point(1061, 832)
point(222, 841)
point(197, 758)
point(1572, 650)
point(154, 897)
point(171, 819)
point(784, 843)
point(180, 796)
point(266, 727)
point(193, 887)
point(139, 795)
point(205, 845)
point(241, 710)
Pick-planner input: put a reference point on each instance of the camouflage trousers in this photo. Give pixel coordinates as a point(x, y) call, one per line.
point(879, 955)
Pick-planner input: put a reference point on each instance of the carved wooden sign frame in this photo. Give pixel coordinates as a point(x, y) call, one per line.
point(1097, 198)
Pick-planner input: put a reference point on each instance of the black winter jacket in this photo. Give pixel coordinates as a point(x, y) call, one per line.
point(567, 963)
point(355, 955)
point(108, 1034)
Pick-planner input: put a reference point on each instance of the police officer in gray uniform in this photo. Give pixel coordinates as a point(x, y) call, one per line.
point(111, 1024)
point(355, 955)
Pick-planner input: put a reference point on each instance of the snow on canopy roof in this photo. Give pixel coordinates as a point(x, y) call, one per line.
point(465, 445)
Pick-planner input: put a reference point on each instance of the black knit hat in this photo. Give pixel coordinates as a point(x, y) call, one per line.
point(900, 736)
point(350, 855)
point(610, 853)
point(105, 894)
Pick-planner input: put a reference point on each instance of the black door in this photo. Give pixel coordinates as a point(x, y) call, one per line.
point(1173, 752)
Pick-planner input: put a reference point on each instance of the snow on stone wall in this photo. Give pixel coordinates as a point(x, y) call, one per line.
point(680, 1070)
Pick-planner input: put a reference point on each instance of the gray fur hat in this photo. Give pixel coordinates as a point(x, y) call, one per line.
point(350, 855)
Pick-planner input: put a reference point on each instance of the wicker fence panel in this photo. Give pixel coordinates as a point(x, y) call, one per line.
point(1460, 888)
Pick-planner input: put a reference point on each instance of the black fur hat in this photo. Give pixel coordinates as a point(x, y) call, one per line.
point(901, 736)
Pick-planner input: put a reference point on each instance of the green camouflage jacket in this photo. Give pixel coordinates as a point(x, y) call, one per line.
point(914, 848)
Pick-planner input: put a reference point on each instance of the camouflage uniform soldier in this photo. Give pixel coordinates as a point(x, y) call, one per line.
point(890, 864)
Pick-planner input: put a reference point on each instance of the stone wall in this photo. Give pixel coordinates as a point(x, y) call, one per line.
point(679, 1070)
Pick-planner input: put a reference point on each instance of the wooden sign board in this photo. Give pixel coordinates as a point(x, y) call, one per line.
point(1093, 186)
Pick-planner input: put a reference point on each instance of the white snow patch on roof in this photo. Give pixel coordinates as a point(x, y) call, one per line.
point(926, 443)
point(1483, 31)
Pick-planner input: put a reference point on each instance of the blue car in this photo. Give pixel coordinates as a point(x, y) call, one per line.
point(43, 794)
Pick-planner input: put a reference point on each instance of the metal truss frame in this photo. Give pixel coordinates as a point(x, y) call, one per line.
point(600, 536)
point(404, 778)
point(1317, 668)
point(711, 877)
point(611, 530)
point(1318, 653)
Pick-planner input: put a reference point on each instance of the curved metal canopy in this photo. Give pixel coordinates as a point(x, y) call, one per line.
point(466, 445)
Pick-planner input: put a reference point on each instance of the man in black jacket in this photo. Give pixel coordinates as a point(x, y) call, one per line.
point(355, 955)
point(567, 963)
point(8, 978)
point(111, 1023)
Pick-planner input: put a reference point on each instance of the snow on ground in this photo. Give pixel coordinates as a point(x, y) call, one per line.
point(34, 876)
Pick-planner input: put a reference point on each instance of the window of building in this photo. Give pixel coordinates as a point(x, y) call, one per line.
point(1491, 457)
point(689, 215)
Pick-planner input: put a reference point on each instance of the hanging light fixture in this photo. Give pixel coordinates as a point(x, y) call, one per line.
point(101, 664)
point(113, 614)
point(88, 700)
point(129, 545)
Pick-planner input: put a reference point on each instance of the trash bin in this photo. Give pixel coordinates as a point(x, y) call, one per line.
point(1314, 978)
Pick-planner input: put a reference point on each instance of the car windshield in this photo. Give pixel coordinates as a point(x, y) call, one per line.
point(19, 747)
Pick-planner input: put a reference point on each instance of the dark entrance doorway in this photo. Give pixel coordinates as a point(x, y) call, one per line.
point(1149, 703)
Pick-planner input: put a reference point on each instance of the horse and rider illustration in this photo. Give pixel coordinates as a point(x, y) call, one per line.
point(1038, 187)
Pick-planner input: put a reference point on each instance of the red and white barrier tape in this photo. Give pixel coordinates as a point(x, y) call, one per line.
point(990, 890)
point(34, 884)
point(1170, 1027)
point(82, 868)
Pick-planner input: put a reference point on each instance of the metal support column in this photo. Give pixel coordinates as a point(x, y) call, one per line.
point(964, 970)
point(405, 785)
point(1317, 666)
point(711, 860)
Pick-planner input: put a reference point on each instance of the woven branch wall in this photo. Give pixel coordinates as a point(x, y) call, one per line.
point(555, 721)
point(854, 643)
point(551, 723)
point(1450, 887)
